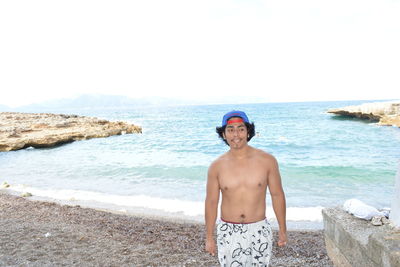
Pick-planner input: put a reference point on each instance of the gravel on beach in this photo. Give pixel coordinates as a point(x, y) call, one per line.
point(38, 233)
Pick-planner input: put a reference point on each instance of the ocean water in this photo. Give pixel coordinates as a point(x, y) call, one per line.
point(324, 160)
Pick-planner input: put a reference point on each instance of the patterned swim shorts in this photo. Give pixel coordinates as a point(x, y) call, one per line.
point(244, 244)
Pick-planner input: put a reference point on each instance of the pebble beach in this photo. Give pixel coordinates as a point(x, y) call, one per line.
point(38, 233)
point(141, 170)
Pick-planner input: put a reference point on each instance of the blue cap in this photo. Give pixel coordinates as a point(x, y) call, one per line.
point(234, 113)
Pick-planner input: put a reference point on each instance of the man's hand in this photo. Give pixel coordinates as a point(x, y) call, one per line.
point(282, 239)
point(210, 246)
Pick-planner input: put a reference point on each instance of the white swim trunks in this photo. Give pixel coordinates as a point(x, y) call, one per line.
point(248, 244)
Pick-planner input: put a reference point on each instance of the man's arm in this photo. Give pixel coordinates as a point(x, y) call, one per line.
point(278, 200)
point(211, 206)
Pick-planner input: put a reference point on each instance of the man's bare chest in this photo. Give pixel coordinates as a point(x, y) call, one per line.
point(245, 177)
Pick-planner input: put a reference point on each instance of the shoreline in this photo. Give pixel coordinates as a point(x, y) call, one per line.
point(41, 233)
point(158, 214)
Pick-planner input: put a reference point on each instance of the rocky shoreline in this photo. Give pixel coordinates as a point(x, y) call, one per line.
point(385, 113)
point(37, 233)
point(38, 130)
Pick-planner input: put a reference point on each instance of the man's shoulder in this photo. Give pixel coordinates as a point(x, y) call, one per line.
point(218, 161)
point(224, 157)
point(263, 155)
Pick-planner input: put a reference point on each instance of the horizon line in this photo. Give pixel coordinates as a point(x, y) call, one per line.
point(190, 102)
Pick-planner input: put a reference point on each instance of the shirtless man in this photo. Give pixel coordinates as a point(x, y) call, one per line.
point(242, 175)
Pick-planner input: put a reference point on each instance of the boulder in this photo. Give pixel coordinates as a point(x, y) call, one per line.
point(5, 185)
point(38, 130)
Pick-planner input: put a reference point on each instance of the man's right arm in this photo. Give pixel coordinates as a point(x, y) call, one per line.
point(211, 206)
point(278, 200)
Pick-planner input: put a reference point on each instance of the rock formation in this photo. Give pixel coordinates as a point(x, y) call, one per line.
point(22, 130)
point(385, 113)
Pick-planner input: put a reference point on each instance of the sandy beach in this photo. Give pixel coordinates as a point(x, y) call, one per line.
point(38, 233)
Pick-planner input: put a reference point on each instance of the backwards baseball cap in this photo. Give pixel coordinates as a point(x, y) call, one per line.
point(234, 113)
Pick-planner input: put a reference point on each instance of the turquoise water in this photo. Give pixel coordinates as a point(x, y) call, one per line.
point(323, 159)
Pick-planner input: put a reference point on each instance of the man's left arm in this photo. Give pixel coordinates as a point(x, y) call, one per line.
point(278, 200)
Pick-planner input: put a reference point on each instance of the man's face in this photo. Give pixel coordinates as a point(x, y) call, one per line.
point(236, 133)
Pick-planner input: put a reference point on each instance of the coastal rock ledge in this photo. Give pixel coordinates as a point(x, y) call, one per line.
point(22, 130)
point(385, 113)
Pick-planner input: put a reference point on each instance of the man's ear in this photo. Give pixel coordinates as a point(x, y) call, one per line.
point(223, 135)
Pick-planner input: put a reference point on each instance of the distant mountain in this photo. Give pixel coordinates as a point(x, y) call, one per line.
point(98, 101)
point(95, 101)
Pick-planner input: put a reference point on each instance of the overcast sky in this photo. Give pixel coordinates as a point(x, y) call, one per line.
point(277, 50)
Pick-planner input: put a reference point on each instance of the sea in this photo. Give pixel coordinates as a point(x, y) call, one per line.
point(324, 160)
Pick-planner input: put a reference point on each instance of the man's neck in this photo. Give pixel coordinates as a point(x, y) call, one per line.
point(240, 152)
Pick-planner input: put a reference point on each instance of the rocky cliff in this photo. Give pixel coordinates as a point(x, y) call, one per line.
point(21, 130)
point(385, 113)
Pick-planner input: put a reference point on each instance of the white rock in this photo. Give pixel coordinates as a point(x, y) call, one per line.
point(26, 194)
point(5, 185)
point(385, 220)
point(360, 209)
point(376, 220)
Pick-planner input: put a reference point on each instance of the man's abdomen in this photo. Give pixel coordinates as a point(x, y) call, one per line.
point(247, 210)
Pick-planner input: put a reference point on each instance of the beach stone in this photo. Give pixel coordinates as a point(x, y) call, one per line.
point(5, 185)
point(39, 130)
point(26, 194)
point(89, 237)
point(385, 113)
point(376, 221)
point(385, 220)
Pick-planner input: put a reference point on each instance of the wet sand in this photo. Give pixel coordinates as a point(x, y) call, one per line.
point(38, 233)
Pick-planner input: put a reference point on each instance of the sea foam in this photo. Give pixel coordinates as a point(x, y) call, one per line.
point(163, 206)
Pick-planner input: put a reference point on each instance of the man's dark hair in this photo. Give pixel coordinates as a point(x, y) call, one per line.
point(251, 132)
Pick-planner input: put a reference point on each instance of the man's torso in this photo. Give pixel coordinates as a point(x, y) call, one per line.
point(243, 183)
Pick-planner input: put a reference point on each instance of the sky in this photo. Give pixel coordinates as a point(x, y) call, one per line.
point(272, 50)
